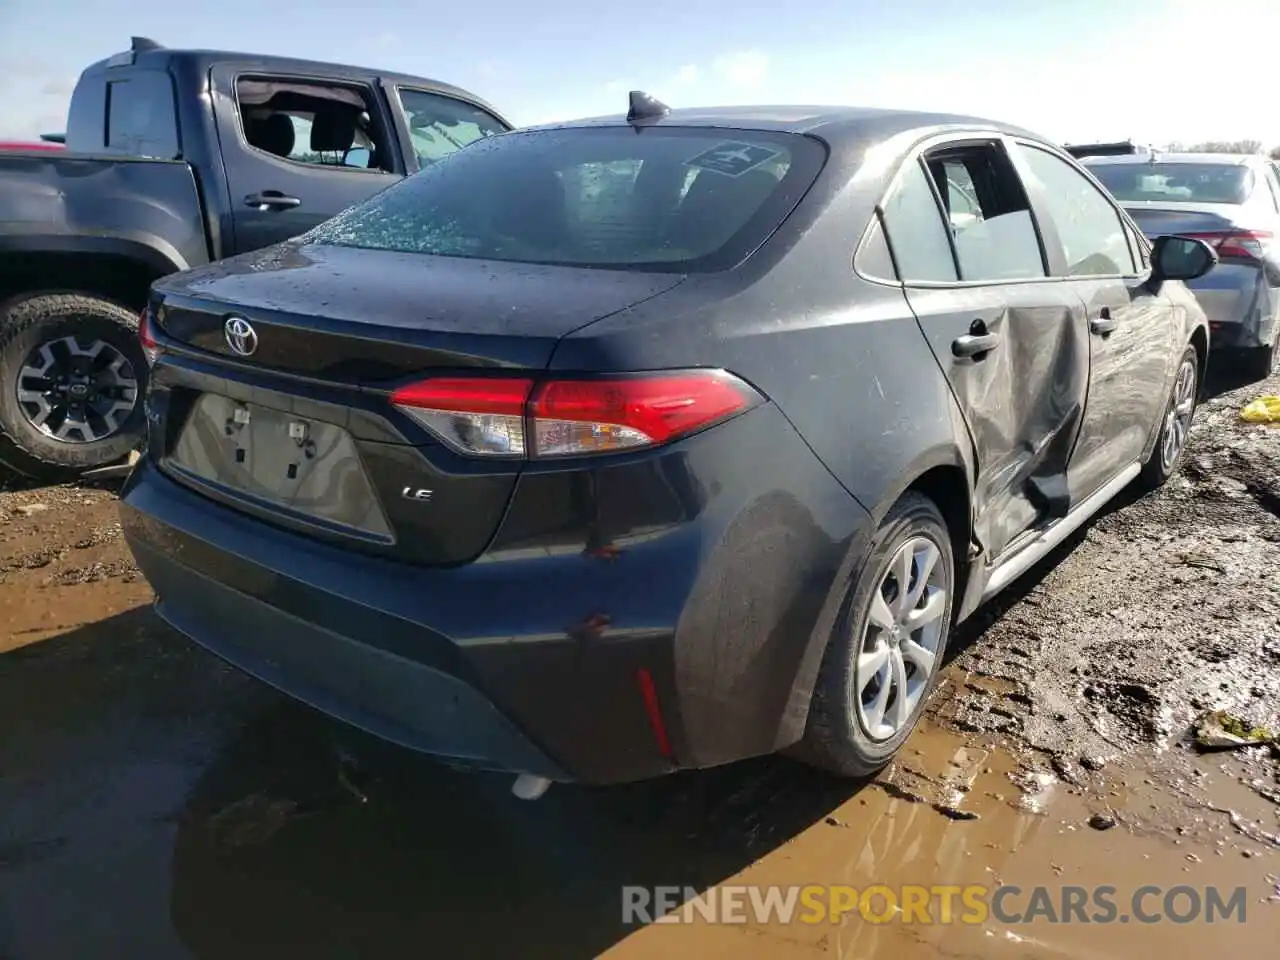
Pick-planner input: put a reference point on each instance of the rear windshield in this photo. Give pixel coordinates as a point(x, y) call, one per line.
point(1186, 182)
point(657, 198)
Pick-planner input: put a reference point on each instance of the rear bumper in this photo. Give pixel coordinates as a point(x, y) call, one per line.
point(391, 696)
point(1241, 306)
point(530, 659)
point(414, 656)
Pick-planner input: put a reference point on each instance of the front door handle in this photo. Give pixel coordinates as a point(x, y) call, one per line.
point(974, 346)
point(268, 199)
point(1103, 323)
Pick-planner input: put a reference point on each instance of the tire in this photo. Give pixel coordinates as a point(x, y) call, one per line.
point(1257, 363)
point(83, 334)
point(1160, 466)
point(841, 735)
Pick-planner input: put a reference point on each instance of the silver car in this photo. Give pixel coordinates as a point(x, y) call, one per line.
point(1231, 201)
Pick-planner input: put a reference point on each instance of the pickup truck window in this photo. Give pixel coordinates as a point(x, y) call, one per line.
point(312, 123)
point(440, 125)
point(141, 119)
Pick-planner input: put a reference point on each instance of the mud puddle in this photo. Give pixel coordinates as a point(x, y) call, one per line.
point(959, 813)
point(63, 563)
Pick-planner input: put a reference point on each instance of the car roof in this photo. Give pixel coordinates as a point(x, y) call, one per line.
point(828, 122)
point(1221, 159)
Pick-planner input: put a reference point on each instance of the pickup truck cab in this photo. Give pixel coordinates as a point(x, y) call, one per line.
point(175, 158)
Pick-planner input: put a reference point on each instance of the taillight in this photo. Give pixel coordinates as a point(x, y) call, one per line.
point(151, 348)
point(1247, 244)
point(478, 416)
point(505, 417)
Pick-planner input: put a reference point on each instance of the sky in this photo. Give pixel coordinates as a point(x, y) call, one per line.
point(1072, 70)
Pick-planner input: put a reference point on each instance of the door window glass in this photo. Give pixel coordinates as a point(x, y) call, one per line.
point(312, 123)
point(440, 125)
point(916, 231)
point(1089, 227)
point(988, 213)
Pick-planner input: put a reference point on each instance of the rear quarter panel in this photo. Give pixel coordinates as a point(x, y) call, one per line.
point(842, 357)
point(859, 397)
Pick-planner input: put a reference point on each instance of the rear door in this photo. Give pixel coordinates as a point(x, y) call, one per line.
point(298, 149)
point(1133, 332)
point(1011, 342)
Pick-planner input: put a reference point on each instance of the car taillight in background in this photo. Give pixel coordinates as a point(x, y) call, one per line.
point(508, 417)
point(150, 346)
point(1247, 244)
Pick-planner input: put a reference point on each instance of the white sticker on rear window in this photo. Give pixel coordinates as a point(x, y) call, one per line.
point(733, 158)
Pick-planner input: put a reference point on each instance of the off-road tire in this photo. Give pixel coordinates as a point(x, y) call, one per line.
point(834, 739)
point(33, 319)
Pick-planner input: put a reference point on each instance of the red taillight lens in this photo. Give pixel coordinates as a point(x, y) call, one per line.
point(150, 346)
point(571, 417)
point(1248, 244)
point(559, 418)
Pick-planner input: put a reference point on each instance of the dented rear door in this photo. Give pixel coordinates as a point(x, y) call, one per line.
point(1022, 399)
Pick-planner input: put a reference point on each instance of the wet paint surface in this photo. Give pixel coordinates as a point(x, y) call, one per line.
point(156, 804)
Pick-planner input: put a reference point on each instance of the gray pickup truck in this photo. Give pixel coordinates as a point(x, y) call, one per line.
point(176, 158)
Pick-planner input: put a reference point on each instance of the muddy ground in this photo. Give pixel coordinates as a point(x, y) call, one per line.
point(155, 804)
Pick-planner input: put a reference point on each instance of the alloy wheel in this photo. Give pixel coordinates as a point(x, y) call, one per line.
point(1177, 421)
point(77, 391)
point(901, 640)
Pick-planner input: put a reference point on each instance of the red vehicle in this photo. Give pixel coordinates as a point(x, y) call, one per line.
point(29, 145)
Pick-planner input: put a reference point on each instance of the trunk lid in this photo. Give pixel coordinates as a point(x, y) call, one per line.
point(1159, 218)
point(300, 432)
point(363, 316)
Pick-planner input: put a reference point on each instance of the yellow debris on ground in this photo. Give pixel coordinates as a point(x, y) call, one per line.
point(1262, 410)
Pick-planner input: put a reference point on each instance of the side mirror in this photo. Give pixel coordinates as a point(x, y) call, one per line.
point(1181, 258)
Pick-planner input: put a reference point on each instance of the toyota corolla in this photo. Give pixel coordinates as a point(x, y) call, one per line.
point(602, 450)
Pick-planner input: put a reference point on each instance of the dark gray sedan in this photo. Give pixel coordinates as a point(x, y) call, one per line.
point(602, 450)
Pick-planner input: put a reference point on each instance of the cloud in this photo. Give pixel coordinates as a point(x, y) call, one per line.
point(58, 87)
point(728, 73)
point(35, 95)
point(744, 69)
point(732, 77)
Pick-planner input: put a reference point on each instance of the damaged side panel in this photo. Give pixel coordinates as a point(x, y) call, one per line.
point(1022, 398)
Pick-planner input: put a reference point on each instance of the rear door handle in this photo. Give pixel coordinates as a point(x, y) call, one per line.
point(271, 198)
point(1103, 323)
point(974, 345)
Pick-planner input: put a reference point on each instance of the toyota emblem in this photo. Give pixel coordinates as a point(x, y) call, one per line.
point(240, 336)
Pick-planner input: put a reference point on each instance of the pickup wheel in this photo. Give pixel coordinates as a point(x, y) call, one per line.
point(72, 377)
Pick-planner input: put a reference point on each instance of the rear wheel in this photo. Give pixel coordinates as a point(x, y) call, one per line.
point(884, 658)
point(1175, 426)
point(72, 375)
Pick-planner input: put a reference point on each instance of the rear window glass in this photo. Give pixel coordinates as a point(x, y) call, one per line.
point(1185, 182)
point(673, 199)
